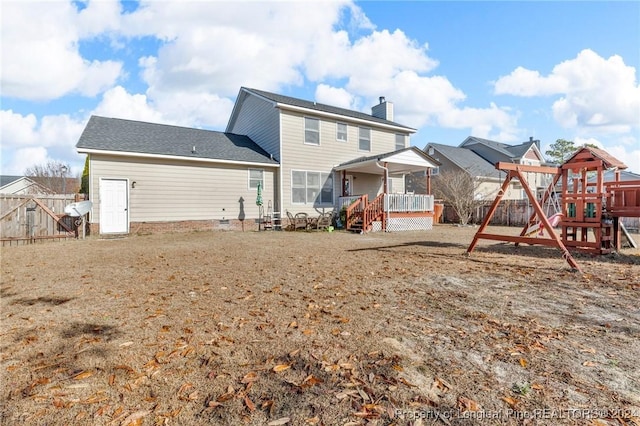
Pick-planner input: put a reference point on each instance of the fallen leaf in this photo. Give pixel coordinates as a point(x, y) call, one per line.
point(135, 419)
point(589, 364)
point(83, 375)
point(249, 377)
point(250, 405)
point(280, 421)
point(511, 401)
point(523, 362)
point(281, 367)
point(466, 404)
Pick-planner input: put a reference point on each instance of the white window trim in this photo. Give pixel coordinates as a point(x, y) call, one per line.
point(333, 189)
point(346, 132)
point(304, 125)
point(370, 137)
point(249, 179)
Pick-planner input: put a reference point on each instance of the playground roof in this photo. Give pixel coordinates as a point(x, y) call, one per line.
point(609, 160)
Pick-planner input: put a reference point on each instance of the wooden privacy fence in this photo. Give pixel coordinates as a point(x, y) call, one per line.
point(30, 218)
point(516, 213)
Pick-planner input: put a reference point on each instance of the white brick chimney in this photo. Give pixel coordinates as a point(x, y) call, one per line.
point(383, 110)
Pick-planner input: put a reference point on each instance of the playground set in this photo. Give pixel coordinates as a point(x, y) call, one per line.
point(585, 203)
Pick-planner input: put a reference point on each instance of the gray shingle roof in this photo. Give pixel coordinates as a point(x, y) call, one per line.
point(467, 160)
point(114, 134)
point(323, 108)
point(7, 179)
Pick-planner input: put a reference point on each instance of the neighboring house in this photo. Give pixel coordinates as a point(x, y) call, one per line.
point(478, 157)
point(151, 176)
point(21, 185)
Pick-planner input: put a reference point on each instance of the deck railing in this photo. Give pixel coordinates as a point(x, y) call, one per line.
point(406, 203)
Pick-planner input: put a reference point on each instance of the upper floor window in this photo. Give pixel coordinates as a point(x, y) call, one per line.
point(364, 139)
point(400, 141)
point(341, 132)
point(312, 131)
point(256, 176)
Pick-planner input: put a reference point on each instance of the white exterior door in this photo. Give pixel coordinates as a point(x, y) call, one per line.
point(114, 206)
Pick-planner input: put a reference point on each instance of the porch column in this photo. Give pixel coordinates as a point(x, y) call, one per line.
point(386, 178)
point(344, 183)
point(429, 181)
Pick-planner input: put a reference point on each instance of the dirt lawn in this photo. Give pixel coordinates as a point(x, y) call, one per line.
point(317, 328)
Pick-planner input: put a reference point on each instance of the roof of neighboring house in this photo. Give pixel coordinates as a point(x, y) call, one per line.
point(610, 177)
point(7, 179)
point(19, 184)
point(467, 160)
point(128, 136)
point(288, 100)
point(498, 151)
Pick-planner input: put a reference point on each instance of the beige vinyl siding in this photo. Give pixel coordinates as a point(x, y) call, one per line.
point(259, 120)
point(296, 155)
point(169, 190)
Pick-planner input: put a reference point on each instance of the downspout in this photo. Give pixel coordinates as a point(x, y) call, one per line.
point(386, 186)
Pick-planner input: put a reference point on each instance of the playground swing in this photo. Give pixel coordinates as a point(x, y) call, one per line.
point(552, 210)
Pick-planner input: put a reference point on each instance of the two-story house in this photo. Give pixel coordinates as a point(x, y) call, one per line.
point(303, 157)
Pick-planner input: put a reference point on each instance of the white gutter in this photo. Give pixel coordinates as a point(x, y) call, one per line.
point(386, 204)
point(174, 157)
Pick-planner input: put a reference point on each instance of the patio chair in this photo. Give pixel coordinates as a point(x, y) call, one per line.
point(300, 221)
point(324, 221)
point(291, 226)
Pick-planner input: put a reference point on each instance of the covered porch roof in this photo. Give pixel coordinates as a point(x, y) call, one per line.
point(406, 160)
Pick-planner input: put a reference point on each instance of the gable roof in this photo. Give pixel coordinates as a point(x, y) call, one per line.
point(609, 160)
point(21, 185)
point(115, 135)
point(405, 160)
point(467, 160)
point(7, 179)
point(493, 151)
point(281, 100)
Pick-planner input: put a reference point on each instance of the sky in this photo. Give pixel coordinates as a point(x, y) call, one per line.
point(505, 71)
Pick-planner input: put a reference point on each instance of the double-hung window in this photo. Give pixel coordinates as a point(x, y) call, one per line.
point(256, 176)
point(341, 132)
point(400, 141)
point(311, 131)
point(311, 187)
point(364, 139)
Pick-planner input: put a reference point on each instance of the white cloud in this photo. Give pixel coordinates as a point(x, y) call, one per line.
point(41, 60)
point(335, 96)
point(208, 50)
point(598, 94)
point(524, 82)
point(118, 103)
point(24, 158)
point(27, 141)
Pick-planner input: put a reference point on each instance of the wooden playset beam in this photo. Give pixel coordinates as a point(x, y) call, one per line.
point(514, 171)
point(501, 165)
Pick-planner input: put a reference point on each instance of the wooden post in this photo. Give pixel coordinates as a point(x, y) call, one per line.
point(429, 181)
point(515, 171)
point(491, 211)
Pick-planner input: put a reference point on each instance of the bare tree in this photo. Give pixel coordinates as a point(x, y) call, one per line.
point(53, 175)
point(461, 191)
